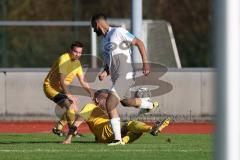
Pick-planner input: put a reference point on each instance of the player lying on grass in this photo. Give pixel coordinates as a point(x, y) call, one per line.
point(95, 115)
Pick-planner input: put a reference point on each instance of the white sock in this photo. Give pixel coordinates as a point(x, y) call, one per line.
point(115, 123)
point(146, 104)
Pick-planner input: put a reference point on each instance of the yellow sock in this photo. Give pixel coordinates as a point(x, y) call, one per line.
point(70, 116)
point(138, 127)
point(62, 122)
point(125, 139)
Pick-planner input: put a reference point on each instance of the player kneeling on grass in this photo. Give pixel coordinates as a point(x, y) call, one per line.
point(95, 115)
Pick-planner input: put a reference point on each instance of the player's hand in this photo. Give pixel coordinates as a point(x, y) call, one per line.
point(102, 75)
point(146, 69)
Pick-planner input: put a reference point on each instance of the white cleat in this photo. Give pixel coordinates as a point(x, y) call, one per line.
point(116, 143)
point(145, 110)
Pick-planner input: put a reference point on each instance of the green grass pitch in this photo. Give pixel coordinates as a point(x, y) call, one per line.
point(48, 146)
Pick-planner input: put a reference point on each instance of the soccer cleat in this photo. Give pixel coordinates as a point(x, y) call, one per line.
point(58, 132)
point(159, 125)
point(116, 143)
point(144, 110)
point(165, 124)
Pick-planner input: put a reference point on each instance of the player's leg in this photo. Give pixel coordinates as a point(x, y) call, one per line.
point(131, 102)
point(159, 126)
point(64, 119)
point(140, 127)
point(131, 137)
point(58, 129)
point(141, 100)
point(111, 106)
point(120, 90)
point(136, 129)
point(73, 129)
point(133, 130)
point(118, 71)
point(57, 97)
point(70, 106)
point(69, 116)
point(142, 103)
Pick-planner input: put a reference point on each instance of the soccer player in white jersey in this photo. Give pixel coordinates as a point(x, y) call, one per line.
point(116, 48)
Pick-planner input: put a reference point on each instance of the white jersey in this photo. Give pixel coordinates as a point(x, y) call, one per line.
point(116, 41)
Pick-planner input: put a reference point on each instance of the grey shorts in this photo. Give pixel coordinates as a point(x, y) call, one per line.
point(122, 89)
point(122, 76)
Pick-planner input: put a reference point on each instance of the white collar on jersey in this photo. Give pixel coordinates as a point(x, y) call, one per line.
point(109, 29)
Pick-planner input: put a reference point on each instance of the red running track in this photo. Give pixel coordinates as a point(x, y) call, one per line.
point(46, 127)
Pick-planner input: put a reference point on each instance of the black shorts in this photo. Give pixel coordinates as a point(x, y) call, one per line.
point(60, 97)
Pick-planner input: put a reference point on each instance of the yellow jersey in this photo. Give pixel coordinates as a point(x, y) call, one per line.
point(98, 122)
point(63, 65)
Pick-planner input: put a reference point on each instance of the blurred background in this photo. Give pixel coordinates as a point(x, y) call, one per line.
point(30, 46)
point(34, 33)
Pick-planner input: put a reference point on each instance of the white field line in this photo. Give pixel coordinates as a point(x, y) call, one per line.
point(102, 150)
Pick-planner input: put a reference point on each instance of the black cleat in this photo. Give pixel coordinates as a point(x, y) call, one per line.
point(159, 125)
point(58, 132)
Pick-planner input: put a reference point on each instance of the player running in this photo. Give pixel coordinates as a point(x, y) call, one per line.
point(61, 75)
point(116, 45)
point(97, 119)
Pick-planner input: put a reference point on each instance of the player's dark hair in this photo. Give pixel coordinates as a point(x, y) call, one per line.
point(98, 16)
point(76, 44)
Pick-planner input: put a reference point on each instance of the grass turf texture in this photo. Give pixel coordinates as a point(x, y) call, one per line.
point(48, 146)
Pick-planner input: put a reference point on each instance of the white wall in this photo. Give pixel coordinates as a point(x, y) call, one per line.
point(2, 94)
point(193, 91)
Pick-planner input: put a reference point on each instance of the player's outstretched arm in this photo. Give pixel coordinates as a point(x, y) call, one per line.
point(146, 68)
point(85, 85)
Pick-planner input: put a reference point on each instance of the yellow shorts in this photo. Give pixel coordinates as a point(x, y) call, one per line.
point(132, 129)
point(49, 91)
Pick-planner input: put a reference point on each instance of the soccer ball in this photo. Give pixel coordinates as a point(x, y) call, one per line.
point(143, 92)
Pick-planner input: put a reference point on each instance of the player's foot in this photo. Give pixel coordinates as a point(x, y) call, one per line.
point(68, 139)
point(58, 132)
point(159, 125)
point(145, 110)
point(116, 143)
point(66, 142)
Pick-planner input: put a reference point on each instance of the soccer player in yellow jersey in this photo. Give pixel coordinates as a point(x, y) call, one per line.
point(61, 75)
point(98, 121)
